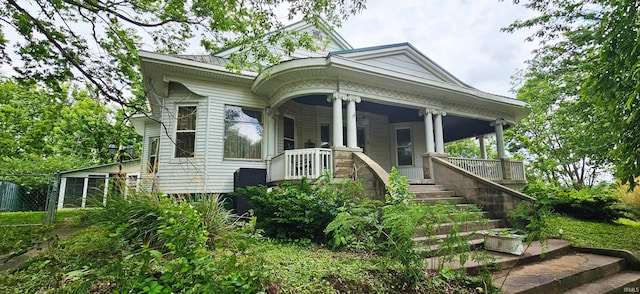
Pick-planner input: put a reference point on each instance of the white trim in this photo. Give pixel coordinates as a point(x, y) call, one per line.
point(175, 129)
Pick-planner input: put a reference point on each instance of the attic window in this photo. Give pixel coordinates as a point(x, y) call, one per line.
point(317, 34)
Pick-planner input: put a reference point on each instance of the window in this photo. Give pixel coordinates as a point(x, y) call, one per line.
point(186, 131)
point(152, 165)
point(73, 192)
point(289, 134)
point(95, 191)
point(325, 136)
point(403, 147)
point(242, 133)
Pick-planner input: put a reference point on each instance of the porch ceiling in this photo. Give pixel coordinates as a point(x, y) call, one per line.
point(455, 127)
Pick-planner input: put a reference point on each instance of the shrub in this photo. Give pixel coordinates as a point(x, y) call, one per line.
point(629, 199)
point(390, 229)
point(302, 210)
point(596, 203)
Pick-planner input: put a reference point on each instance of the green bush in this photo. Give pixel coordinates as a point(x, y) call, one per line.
point(596, 203)
point(299, 211)
point(390, 229)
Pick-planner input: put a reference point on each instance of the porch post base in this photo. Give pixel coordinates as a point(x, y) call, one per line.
point(506, 168)
point(427, 166)
point(343, 161)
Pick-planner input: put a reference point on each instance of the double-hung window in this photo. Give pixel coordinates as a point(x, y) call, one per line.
point(242, 133)
point(153, 154)
point(186, 131)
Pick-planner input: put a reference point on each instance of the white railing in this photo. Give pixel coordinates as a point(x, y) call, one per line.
point(517, 170)
point(412, 173)
point(300, 163)
point(489, 169)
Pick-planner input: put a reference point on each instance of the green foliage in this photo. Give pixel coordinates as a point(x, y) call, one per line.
point(531, 219)
point(47, 131)
point(302, 210)
point(390, 229)
point(629, 199)
point(553, 138)
point(216, 219)
point(596, 204)
point(52, 50)
point(623, 235)
point(470, 148)
point(589, 51)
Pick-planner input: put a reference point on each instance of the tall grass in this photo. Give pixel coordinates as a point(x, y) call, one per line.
point(630, 200)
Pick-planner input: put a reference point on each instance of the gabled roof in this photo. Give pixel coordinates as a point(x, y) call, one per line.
point(336, 41)
point(401, 57)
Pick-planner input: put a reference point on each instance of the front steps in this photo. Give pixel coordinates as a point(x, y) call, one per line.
point(554, 268)
point(431, 194)
point(566, 270)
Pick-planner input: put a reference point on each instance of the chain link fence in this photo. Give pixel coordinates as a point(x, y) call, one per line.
point(28, 199)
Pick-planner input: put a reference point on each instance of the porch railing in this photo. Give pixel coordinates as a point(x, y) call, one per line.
point(517, 170)
point(489, 169)
point(411, 172)
point(299, 163)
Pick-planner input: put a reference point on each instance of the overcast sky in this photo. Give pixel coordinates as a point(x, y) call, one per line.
point(463, 36)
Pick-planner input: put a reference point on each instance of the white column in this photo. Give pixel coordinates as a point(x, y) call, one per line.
point(271, 138)
point(337, 118)
point(483, 148)
point(500, 138)
point(352, 130)
point(63, 187)
point(106, 190)
point(439, 132)
point(428, 129)
point(84, 192)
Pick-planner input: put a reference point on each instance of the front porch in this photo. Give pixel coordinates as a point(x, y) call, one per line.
point(307, 131)
point(312, 163)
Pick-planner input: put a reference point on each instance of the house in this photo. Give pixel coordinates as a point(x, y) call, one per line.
point(350, 111)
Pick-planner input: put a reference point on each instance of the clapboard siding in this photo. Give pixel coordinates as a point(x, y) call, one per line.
point(377, 139)
point(401, 63)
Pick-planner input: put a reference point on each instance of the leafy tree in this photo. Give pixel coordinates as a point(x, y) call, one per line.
point(470, 148)
point(97, 41)
point(595, 43)
point(46, 131)
point(559, 138)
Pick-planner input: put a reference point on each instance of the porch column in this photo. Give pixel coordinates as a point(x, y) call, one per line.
point(428, 128)
point(498, 124)
point(483, 148)
point(439, 132)
point(337, 98)
point(352, 131)
point(272, 129)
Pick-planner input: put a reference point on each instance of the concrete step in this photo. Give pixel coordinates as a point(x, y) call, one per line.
point(425, 188)
point(559, 274)
point(433, 251)
point(534, 252)
point(421, 181)
point(434, 200)
point(435, 194)
point(622, 282)
point(465, 227)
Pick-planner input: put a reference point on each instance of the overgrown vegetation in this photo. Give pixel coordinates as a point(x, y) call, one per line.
point(596, 204)
point(152, 243)
point(300, 211)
